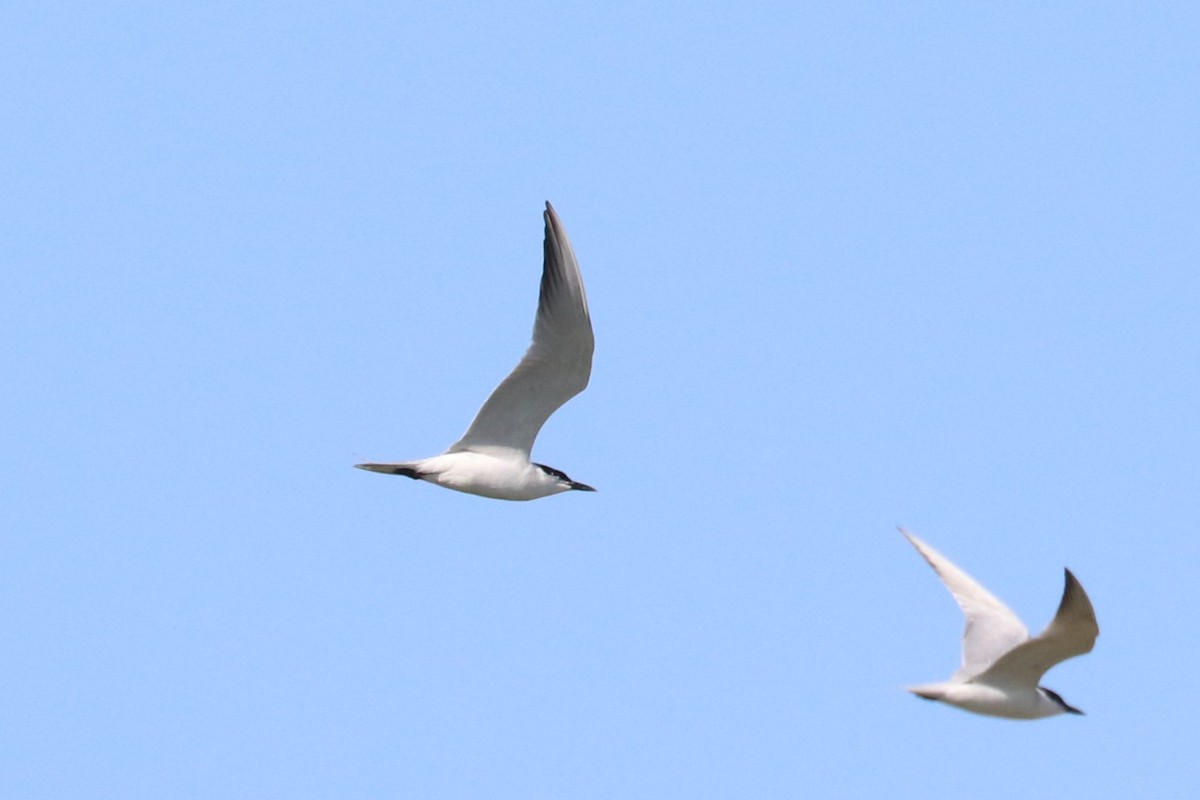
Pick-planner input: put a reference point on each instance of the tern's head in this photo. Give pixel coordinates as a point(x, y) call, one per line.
point(1056, 698)
point(561, 480)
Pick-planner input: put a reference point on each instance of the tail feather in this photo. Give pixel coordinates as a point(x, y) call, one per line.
point(408, 469)
point(927, 692)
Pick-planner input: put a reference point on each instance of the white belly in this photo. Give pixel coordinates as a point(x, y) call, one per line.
point(489, 476)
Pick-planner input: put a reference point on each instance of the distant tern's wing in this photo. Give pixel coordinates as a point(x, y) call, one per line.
point(555, 368)
point(1072, 633)
point(992, 629)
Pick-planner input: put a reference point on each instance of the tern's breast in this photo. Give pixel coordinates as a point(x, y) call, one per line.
point(497, 477)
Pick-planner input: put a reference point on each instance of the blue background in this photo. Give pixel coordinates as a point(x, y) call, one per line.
point(850, 265)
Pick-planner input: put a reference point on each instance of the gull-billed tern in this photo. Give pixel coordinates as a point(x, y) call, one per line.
point(492, 457)
point(1001, 664)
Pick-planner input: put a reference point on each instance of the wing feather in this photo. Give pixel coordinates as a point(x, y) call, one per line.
point(1071, 633)
point(555, 368)
point(992, 629)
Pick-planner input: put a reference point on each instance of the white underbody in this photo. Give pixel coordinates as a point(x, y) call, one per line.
point(502, 477)
point(991, 701)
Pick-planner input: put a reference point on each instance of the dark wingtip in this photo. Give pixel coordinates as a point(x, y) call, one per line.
point(1073, 591)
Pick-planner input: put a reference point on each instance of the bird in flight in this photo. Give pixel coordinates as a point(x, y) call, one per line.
point(492, 457)
point(1001, 664)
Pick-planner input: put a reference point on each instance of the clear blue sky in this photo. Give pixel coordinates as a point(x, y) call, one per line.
point(850, 265)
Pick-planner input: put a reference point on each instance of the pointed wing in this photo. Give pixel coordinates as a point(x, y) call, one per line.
point(1072, 632)
point(992, 629)
point(557, 365)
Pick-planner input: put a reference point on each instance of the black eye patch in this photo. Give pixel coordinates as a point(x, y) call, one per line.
point(558, 473)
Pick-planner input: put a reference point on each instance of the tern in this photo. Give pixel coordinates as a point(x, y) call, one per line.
point(1001, 664)
point(492, 457)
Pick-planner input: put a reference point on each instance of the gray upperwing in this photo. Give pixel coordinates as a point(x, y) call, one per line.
point(1071, 633)
point(557, 365)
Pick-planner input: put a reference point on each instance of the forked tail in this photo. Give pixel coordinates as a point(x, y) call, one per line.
point(408, 469)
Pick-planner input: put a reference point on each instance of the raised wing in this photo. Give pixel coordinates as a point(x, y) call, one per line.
point(1071, 633)
point(557, 365)
point(992, 629)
